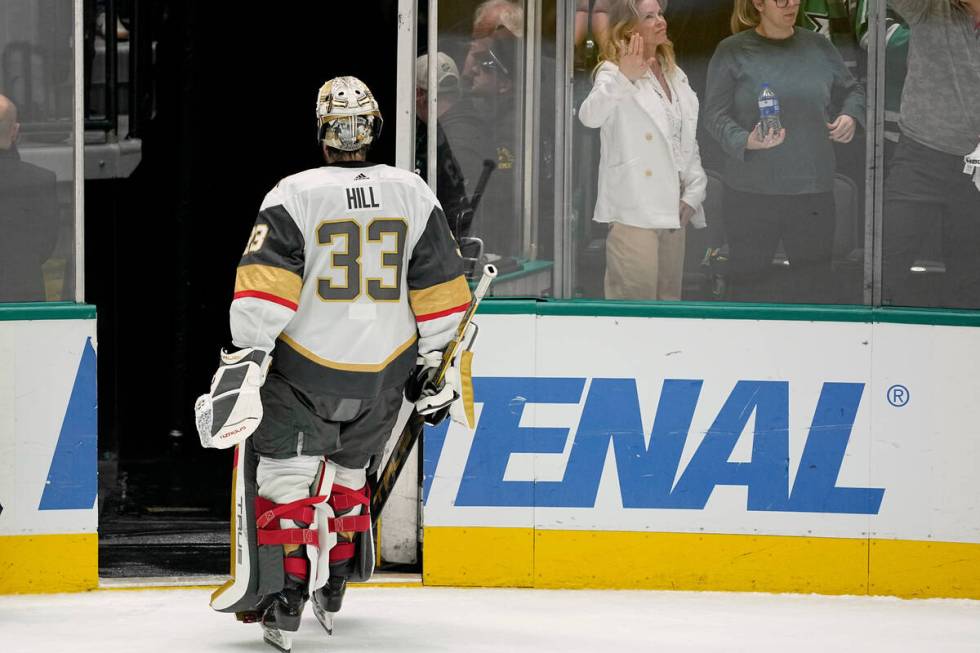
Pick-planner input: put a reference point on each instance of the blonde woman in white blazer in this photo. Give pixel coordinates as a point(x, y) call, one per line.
point(651, 183)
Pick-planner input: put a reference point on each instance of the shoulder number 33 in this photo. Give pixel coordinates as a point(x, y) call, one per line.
point(348, 239)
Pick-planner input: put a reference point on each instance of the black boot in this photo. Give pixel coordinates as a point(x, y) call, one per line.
point(328, 600)
point(286, 609)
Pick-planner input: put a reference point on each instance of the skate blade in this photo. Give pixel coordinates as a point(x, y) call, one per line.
point(277, 639)
point(325, 618)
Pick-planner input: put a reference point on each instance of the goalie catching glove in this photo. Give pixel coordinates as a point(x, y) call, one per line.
point(233, 409)
point(452, 396)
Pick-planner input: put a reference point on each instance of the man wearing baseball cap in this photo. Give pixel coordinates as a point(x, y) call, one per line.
point(459, 135)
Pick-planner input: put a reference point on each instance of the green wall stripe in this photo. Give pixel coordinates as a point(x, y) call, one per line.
point(934, 316)
point(727, 311)
point(46, 311)
point(494, 306)
point(594, 308)
point(710, 311)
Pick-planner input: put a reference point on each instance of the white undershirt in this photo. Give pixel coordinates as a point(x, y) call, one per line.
point(675, 118)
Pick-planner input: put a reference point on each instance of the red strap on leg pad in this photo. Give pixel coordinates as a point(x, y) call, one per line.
point(344, 498)
point(341, 552)
point(357, 524)
point(270, 530)
point(297, 567)
point(297, 536)
point(299, 511)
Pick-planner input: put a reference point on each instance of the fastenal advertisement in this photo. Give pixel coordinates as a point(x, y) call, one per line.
point(737, 427)
point(48, 428)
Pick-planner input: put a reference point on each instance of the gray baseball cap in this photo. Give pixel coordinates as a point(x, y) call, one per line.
point(447, 73)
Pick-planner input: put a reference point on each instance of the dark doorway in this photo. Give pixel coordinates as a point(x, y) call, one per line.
point(234, 94)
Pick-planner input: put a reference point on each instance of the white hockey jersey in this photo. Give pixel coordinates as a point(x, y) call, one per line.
point(350, 271)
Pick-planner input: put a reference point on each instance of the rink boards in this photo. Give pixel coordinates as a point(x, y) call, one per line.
point(48, 449)
point(817, 450)
point(834, 451)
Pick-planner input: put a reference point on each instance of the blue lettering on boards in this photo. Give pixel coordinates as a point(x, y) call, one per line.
point(72, 482)
point(612, 416)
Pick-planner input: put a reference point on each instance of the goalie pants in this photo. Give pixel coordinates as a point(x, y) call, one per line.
point(350, 432)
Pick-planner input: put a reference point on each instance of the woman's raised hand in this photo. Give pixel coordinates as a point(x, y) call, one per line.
point(631, 61)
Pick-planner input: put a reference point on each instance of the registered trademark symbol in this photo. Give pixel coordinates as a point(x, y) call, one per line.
point(898, 395)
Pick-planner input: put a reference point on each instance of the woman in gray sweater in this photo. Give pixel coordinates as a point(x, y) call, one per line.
point(779, 186)
point(926, 190)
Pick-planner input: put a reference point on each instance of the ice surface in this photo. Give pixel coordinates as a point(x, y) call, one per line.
point(382, 619)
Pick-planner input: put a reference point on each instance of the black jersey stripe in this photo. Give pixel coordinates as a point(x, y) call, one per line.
point(316, 380)
point(283, 244)
point(435, 259)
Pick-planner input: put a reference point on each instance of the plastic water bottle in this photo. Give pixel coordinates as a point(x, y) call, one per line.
point(768, 112)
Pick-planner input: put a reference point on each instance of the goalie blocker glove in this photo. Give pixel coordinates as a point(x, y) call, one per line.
point(453, 396)
point(233, 409)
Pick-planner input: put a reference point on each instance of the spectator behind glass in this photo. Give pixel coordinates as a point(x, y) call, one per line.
point(491, 74)
point(491, 81)
point(779, 185)
point(651, 183)
point(455, 114)
point(490, 19)
point(28, 216)
point(926, 189)
point(458, 117)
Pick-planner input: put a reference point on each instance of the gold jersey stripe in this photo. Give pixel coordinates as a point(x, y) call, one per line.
point(267, 279)
point(440, 297)
point(347, 367)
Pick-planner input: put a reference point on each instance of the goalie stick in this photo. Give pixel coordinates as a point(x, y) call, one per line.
point(382, 485)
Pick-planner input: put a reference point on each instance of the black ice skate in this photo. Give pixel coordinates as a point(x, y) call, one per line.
point(283, 615)
point(327, 601)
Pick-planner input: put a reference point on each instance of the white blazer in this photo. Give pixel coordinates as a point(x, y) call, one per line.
point(638, 179)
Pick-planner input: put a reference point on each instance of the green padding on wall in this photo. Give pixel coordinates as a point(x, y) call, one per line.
point(935, 316)
point(494, 306)
point(709, 311)
point(727, 311)
point(46, 311)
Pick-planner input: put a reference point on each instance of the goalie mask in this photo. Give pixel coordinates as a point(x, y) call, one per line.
point(347, 115)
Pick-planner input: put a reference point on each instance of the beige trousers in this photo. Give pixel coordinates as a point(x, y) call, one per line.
point(644, 263)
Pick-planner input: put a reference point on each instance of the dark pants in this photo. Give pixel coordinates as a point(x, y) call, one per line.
point(755, 224)
point(927, 194)
point(351, 432)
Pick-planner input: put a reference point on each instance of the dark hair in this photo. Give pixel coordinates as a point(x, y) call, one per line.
point(333, 154)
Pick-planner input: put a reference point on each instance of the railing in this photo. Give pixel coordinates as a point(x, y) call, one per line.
point(138, 99)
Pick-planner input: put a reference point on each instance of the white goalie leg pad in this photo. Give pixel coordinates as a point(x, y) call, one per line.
point(319, 556)
point(284, 481)
point(353, 483)
point(238, 594)
point(330, 476)
point(287, 479)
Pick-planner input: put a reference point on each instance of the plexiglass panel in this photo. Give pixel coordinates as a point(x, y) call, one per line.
point(931, 221)
point(715, 150)
point(495, 135)
point(37, 88)
point(679, 194)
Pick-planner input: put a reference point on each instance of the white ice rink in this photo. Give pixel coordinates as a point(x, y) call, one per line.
point(435, 619)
